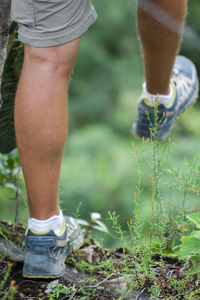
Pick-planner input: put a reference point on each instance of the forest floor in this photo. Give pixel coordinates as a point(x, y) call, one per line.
point(91, 273)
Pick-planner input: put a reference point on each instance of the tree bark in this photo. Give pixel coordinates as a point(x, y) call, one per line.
point(4, 32)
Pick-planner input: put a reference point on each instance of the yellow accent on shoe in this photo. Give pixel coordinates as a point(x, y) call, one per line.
point(149, 104)
point(40, 233)
point(63, 228)
point(46, 231)
point(173, 96)
point(42, 277)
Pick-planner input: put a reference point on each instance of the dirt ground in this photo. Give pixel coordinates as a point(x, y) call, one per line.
point(91, 273)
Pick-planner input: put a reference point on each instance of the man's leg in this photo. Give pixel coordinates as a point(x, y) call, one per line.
point(41, 128)
point(160, 44)
point(41, 122)
point(51, 32)
point(171, 80)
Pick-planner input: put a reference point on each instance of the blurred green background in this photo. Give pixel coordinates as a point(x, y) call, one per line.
point(98, 168)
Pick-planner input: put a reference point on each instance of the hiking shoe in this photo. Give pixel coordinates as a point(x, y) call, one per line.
point(45, 253)
point(155, 122)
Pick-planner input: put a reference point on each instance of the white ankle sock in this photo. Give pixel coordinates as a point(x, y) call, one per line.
point(55, 223)
point(152, 99)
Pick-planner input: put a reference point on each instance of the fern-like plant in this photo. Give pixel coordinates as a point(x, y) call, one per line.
point(8, 90)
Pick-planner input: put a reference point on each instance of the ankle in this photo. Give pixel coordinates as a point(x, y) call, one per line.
point(154, 99)
point(44, 212)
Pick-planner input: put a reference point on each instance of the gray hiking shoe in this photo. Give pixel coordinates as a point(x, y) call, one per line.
point(156, 123)
point(45, 253)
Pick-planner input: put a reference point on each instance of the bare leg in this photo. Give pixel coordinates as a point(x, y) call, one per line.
point(41, 122)
point(160, 44)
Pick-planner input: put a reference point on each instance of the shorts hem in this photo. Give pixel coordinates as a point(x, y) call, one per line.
point(64, 38)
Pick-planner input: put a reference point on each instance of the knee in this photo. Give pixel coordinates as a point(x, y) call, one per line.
point(52, 60)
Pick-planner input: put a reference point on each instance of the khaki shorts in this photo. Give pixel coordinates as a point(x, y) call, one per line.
point(45, 23)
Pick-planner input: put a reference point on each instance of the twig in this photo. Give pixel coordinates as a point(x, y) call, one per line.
point(138, 296)
point(72, 295)
point(29, 281)
point(184, 294)
point(100, 283)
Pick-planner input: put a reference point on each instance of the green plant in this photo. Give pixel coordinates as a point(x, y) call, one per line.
point(87, 293)
point(105, 265)
point(12, 289)
point(155, 291)
point(9, 84)
point(9, 295)
point(190, 247)
point(2, 283)
point(159, 156)
point(10, 176)
point(186, 179)
point(9, 168)
point(135, 224)
point(55, 289)
point(157, 239)
point(117, 228)
point(179, 285)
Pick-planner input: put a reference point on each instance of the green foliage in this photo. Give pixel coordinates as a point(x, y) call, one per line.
point(121, 234)
point(12, 289)
point(190, 247)
point(2, 283)
point(145, 188)
point(191, 45)
point(187, 179)
point(98, 171)
point(9, 168)
point(105, 89)
point(9, 181)
point(98, 168)
point(195, 218)
point(56, 289)
point(9, 86)
point(163, 229)
point(179, 285)
point(155, 291)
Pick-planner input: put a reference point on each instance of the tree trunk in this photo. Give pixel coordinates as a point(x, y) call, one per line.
point(4, 31)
